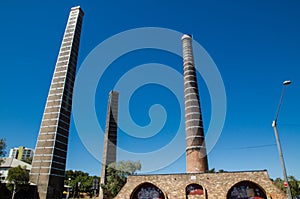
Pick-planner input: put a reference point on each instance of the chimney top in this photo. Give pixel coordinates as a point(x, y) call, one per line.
point(186, 36)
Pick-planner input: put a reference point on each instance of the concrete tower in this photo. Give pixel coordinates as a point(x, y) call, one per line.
point(49, 161)
point(110, 139)
point(196, 159)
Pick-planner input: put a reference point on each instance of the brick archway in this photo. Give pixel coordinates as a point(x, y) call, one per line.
point(193, 190)
point(246, 190)
point(147, 191)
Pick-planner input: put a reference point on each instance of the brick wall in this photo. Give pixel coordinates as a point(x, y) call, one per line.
point(215, 185)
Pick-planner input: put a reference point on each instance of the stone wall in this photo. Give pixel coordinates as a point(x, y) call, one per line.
point(215, 185)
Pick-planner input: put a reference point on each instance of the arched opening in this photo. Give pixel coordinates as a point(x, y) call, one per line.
point(147, 191)
point(193, 190)
point(246, 190)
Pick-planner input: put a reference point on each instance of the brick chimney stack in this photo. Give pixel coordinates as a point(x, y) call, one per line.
point(196, 159)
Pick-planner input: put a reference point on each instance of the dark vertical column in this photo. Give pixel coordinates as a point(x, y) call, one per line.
point(49, 161)
point(196, 159)
point(110, 139)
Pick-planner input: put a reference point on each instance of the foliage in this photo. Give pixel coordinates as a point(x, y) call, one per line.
point(115, 181)
point(213, 170)
point(2, 149)
point(79, 180)
point(117, 174)
point(28, 160)
point(279, 183)
point(18, 177)
point(293, 182)
point(2, 152)
point(128, 167)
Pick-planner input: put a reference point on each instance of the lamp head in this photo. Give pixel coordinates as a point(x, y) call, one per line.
point(287, 82)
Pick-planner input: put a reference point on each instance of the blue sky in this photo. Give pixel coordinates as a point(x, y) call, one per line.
point(254, 44)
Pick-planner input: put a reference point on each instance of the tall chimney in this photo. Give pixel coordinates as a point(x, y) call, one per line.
point(196, 159)
point(49, 161)
point(110, 139)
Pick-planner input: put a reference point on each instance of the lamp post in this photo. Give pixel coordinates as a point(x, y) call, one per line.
point(79, 189)
point(68, 194)
point(14, 191)
point(288, 190)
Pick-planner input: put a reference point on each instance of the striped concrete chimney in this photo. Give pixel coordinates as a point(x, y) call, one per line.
point(196, 159)
point(110, 139)
point(49, 161)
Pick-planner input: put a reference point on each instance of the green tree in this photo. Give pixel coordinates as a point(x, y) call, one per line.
point(212, 170)
point(2, 154)
point(293, 182)
point(28, 160)
point(129, 167)
point(2, 149)
point(18, 179)
point(294, 185)
point(279, 183)
point(117, 174)
point(115, 181)
point(80, 181)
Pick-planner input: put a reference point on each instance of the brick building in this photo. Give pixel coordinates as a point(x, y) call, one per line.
point(225, 185)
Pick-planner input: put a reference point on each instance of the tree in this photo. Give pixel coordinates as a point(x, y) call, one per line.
point(128, 166)
point(2, 149)
point(211, 170)
point(2, 152)
point(115, 181)
point(293, 183)
point(80, 181)
point(222, 171)
point(28, 160)
point(18, 179)
point(117, 174)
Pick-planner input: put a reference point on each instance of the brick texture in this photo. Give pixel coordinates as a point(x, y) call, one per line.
point(215, 185)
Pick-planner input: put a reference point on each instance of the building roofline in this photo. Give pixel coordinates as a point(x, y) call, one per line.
point(77, 8)
point(248, 171)
point(13, 162)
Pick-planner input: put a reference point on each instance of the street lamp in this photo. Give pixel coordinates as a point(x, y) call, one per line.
point(79, 188)
point(68, 194)
point(288, 190)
